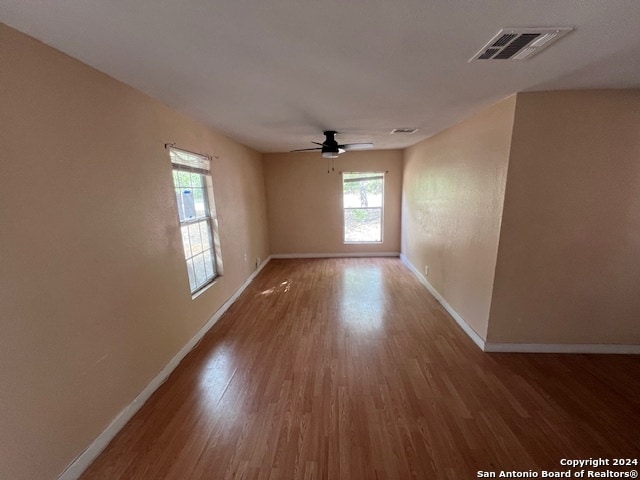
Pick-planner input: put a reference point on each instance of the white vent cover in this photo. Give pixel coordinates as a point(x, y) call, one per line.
point(520, 43)
point(404, 130)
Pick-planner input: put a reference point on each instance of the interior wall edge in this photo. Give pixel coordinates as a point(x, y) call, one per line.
point(82, 461)
point(462, 323)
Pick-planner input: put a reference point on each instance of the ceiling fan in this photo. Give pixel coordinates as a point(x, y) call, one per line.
point(330, 147)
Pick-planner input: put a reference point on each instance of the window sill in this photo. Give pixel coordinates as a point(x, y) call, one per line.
point(205, 288)
point(362, 243)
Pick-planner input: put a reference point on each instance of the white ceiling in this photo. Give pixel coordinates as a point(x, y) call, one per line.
point(274, 74)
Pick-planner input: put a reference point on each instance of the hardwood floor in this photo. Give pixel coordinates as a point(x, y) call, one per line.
point(349, 369)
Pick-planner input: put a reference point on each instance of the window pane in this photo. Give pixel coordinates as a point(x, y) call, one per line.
point(362, 197)
point(181, 179)
point(363, 225)
point(362, 190)
point(200, 200)
point(185, 241)
point(205, 235)
point(195, 238)
point(194, 180)
point(199, 269)
point(373, 193)
point(192, 276)
point(209, 264)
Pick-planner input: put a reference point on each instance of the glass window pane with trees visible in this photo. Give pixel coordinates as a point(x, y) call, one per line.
point(363, 203)
point(196, 212)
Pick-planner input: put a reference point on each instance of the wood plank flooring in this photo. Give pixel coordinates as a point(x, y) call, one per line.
point(349, 369)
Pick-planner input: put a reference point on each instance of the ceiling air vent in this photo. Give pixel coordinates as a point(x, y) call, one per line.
point(519, 43)
point(404, 130)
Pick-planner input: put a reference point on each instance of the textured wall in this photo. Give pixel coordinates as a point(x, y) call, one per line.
point(94, 296)
point(453, 191)
point(305, 202)
point(568, 267)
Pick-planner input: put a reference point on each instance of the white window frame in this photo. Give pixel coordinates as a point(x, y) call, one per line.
point(382, 175)
point(207, 258)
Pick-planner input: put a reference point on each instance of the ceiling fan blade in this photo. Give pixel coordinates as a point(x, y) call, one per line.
point(306, 149)
point(356, 146)
point(321, 144)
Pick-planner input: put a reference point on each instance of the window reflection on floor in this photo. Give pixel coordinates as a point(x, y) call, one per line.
point(283, 287)
point(362, 302)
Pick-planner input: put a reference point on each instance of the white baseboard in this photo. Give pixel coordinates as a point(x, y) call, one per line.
point(80, 464)
point(335, 255)
point(599, 348)
point(477, 339)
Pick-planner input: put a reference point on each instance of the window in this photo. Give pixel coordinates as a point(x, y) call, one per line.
point(362, 199)
point(196, 209)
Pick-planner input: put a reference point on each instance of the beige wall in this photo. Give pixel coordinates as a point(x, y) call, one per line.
point(568, 268)
point(305, 202)
point(452, 207)
point(94, 296)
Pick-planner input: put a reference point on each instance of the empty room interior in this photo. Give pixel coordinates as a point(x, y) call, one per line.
point(319, 240)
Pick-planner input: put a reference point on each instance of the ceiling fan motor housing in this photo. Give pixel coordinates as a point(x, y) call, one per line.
point(330, 145)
